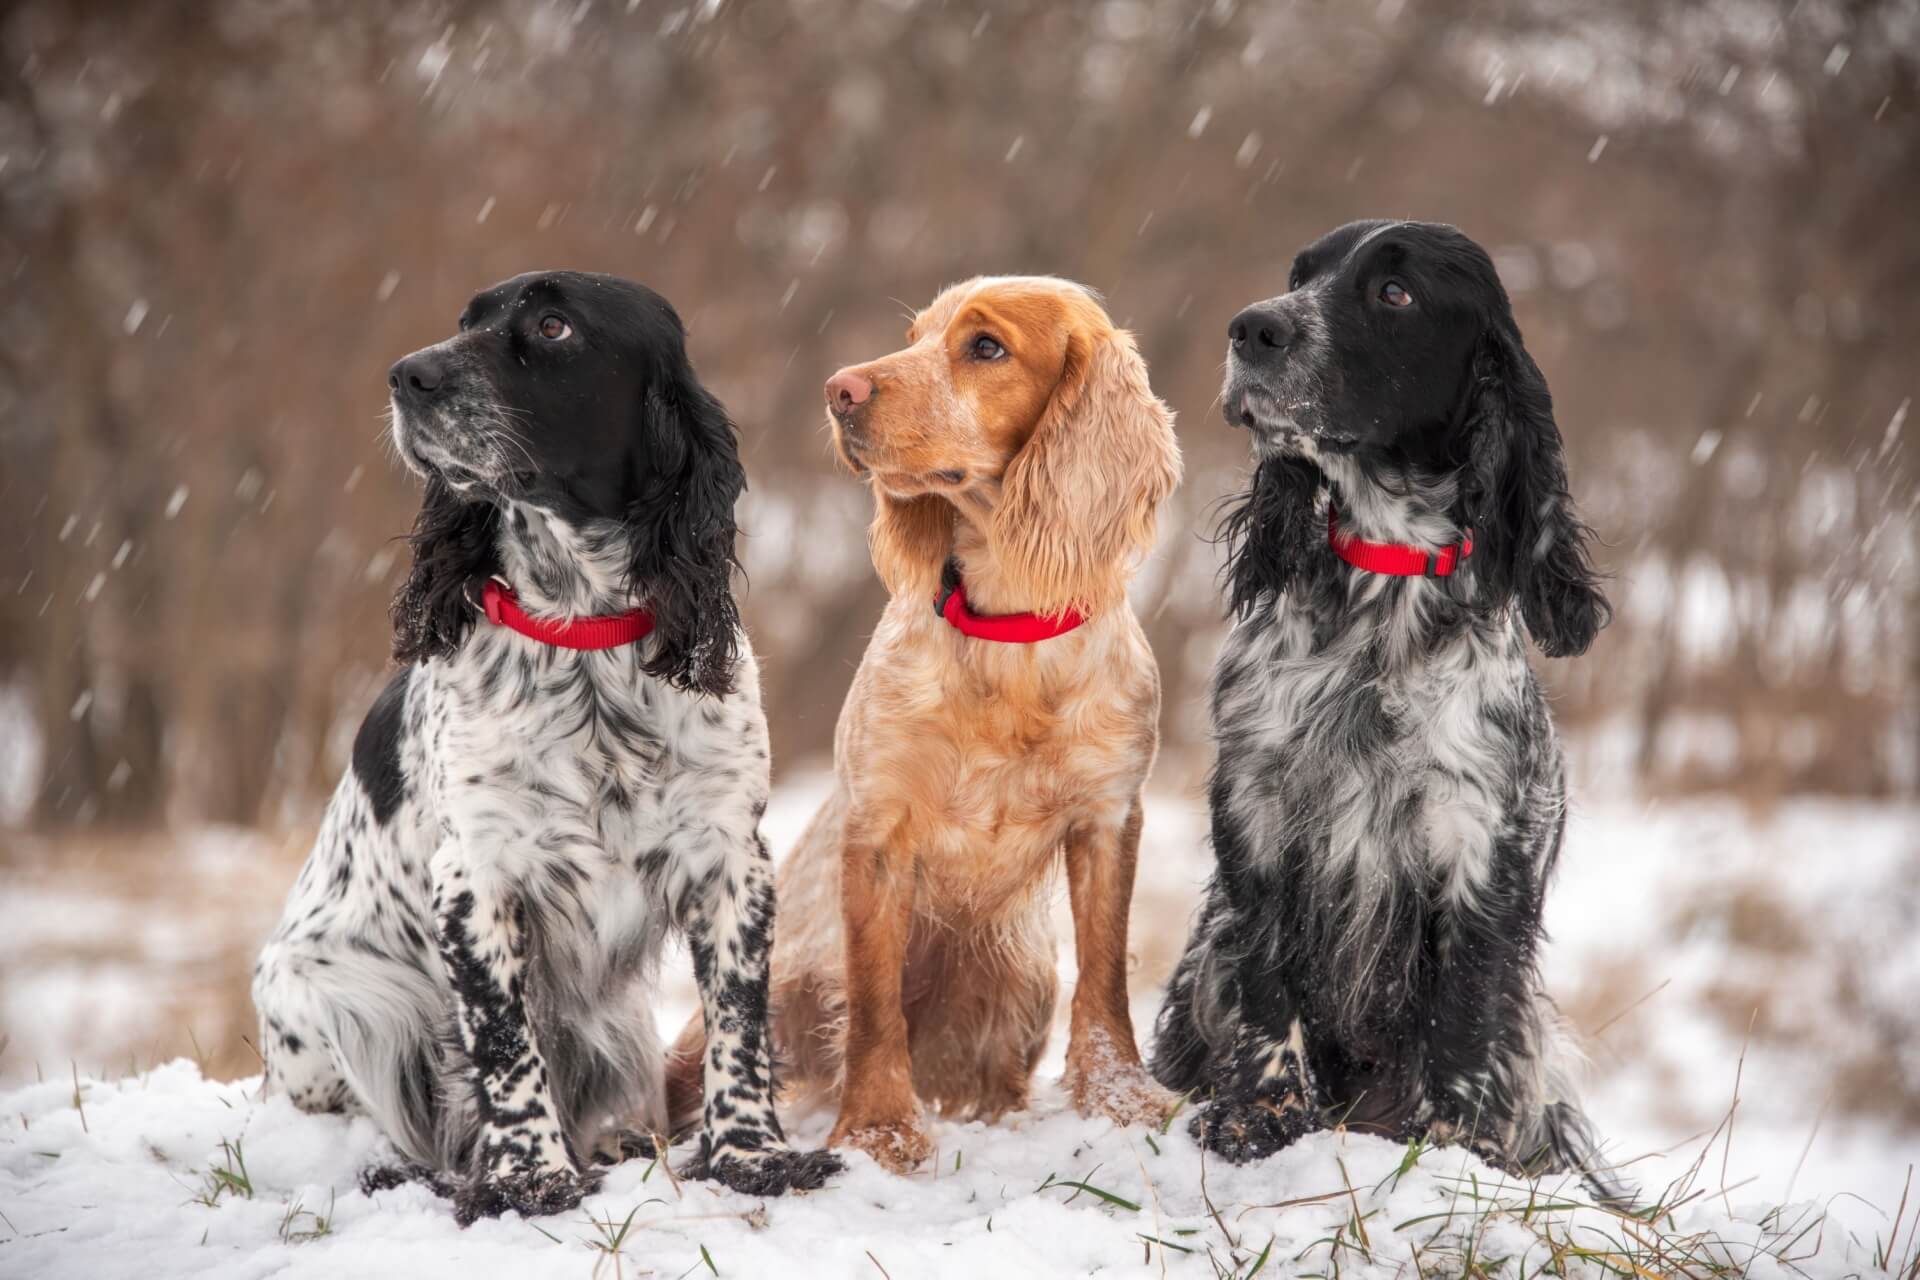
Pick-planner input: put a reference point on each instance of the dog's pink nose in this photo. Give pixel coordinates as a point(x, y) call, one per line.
point(846, 389)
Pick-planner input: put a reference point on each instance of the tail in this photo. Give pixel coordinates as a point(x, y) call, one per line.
point(686, 1082)
point(1196, 1017)
point(1180, 1055)
point(382, 1023)
point(1566, 1140)
point(1571, 1145)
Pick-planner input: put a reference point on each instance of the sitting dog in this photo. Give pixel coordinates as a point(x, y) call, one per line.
point(1002, 721)
point(1388, 801)
point(571, 762)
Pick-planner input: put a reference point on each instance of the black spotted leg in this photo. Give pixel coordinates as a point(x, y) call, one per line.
point(1267, 1101)
point(730, 933)
point(1265, 1096)
point(521, 1160)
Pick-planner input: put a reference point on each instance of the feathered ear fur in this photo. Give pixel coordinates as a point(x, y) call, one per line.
point(1079, 503)
point(680, 532)
point(910, 539)
point(454, 552)
point(1528, 542)
point(1276, 533)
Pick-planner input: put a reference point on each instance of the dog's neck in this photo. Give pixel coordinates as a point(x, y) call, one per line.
point(1393, 619)
point(1392, 504)
point(561, 569)
point(990, 588)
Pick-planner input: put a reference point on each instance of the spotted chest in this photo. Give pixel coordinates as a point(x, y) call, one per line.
point(553, 766)
point(1372, 762)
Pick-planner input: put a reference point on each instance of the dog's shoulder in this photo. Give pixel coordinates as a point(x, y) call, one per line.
point(377, 759)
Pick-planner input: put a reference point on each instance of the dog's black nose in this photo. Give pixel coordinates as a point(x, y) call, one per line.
point(422, 373)
point(1261, 330)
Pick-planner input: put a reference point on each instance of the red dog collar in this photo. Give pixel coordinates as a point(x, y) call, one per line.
point(503, 610)
point(1393, 558)
point(1007, 628)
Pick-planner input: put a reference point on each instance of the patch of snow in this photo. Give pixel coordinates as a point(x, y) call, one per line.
point(1648, 892)
point(116, 1186)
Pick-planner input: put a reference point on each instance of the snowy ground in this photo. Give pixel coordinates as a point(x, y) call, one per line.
point(1683, 934)
point(118, 1187)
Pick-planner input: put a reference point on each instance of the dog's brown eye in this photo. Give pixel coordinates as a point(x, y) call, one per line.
point(554, 328)
point(1394, 296)
point(986, 348)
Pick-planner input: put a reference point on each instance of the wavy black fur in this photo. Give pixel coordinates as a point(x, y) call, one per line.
point(1275, 536)
point(455, 550)
point(681, 532)
point(1529, 544)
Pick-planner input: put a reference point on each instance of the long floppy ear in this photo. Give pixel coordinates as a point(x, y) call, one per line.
point(910, 539)
point(1529, 544)
point(1079, 504)
point(1276, 534)
point(454, 552)
point(680, 536)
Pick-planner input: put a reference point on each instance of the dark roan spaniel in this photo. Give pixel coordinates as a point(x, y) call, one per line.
point(1388, 800)
point(570, 765)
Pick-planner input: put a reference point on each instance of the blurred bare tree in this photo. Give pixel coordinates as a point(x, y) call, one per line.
point(219, 222)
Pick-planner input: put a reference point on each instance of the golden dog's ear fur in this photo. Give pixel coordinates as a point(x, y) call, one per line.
point(1078, 504)
point(910, 539)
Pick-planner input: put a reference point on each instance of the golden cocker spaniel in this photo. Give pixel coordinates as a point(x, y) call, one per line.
point(1016, 450)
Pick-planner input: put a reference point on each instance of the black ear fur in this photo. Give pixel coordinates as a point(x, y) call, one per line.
point(454, 552)
point(680, 537)
point(1528, 542)
point(1276, 534)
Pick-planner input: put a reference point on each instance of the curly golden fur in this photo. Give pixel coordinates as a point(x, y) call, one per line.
point(914, 962)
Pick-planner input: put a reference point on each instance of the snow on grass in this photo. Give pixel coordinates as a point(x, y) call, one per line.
point(167, 1174)
point(1701, 947)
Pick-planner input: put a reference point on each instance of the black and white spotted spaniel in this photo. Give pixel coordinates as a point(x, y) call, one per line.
point(1388, 800)
point(571, 763)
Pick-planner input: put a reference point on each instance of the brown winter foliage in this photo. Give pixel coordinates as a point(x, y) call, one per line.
point(220, 222)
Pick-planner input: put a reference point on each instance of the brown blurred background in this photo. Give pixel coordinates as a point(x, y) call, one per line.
point(220, 222)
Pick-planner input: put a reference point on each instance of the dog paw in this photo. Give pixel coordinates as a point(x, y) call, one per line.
point(772, 1172)
point(898, 1146)
point(385, 1177)
point(1243, 1129)
point(532, 1194)
point(1124, 1095)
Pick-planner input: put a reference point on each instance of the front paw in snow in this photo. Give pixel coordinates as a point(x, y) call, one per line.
point(1252, 1128)
point(897, 1145)
point(773, 1171)
point(1124, 1095)
point(532, 1193)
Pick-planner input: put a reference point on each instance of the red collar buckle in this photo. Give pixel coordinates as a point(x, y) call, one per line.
point(503, 609)
point(1396, 559)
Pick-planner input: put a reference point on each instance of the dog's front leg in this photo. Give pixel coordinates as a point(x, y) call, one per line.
point(1266, 1101)
point(1265, 1096)
point(1483, 1061)
point(878, 1111)
point(730, 933)
point(1104, 1074)
point(520, 1160)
